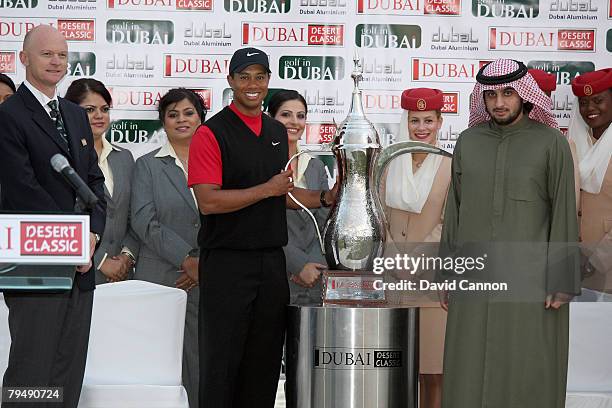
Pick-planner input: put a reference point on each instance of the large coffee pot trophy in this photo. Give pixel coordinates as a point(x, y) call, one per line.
point(355, 231)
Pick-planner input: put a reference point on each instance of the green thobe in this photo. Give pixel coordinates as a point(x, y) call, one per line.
point(512, 187)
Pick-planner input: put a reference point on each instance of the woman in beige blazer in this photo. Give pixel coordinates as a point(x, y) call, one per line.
point(415, 192)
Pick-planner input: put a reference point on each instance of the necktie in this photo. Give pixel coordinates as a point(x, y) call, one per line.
point(59, 123)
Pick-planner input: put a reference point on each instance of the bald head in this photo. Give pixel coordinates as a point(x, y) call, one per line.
point(44, 33)
point(45, 57)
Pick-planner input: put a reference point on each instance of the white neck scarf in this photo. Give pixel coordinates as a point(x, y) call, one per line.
point(593, 158)
point(405, 189)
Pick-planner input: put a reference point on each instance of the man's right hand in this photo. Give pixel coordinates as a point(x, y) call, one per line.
point(280, 184)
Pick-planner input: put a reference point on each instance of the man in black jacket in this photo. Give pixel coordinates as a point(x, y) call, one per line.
point(49, 331)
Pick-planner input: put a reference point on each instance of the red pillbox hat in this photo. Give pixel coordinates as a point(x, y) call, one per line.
point(547, 82)
point(591, 83)
point(422, 99)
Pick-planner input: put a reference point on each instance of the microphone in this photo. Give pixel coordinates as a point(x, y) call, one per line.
point(61, 165)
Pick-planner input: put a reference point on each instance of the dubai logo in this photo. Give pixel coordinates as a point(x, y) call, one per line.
point(196, 66)
point(445, 69)
point(396, 7)
point(292, 34)
point(130, 66)
point(506, 8)
point(257, 6)
point(381, 101)
point(541, 39)
point(387, 36)
point(146, 32)
point(380, 70)
point(337, 358)
point(137, 98)
point(565, 71)
point(325, 68)
point(18, 4)
point(573, 10)
point(207, 34)
point(81, 64)
point(452, 40)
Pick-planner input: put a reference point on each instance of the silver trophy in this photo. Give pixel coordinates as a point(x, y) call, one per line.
point(355, 231)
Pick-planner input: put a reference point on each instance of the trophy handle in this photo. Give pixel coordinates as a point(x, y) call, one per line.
point(312, 217)
point(397, 149)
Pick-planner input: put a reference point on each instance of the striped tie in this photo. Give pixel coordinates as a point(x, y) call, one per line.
point(59, 123)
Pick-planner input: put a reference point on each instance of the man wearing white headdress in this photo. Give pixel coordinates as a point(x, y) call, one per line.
point(415, 191)
point(591, 132)
point(512, 203)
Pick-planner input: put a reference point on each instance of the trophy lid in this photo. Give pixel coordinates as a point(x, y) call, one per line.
point(356, 130)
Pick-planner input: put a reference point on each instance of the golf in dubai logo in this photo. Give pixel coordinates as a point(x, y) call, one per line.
point(324, 68)
point(387, 36)
point(506, 8)
point(145, 32)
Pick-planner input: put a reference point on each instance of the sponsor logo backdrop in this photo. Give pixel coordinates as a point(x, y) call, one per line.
point(142, 48)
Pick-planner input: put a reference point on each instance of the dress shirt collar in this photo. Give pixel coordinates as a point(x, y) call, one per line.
point(107, 148)
point(41, 97)
point(167, 150)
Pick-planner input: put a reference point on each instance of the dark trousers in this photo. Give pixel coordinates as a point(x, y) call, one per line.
point(243, 296)
point(49, 339)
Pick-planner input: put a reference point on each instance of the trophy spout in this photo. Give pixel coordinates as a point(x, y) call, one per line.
point(397, 149)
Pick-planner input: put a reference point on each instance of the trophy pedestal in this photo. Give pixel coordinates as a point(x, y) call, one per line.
point(350, 357)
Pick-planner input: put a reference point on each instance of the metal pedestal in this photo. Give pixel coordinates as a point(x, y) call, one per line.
point(350, 357)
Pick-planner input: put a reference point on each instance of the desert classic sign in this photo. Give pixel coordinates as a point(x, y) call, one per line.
point(44, 239)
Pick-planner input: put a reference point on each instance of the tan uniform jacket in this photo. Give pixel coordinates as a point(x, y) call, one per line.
point(596, 233)
point(406, 227)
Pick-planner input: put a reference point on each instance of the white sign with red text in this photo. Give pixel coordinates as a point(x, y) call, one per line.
point(44, 239)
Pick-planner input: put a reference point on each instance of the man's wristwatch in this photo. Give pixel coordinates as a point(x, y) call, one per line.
point(324, 202)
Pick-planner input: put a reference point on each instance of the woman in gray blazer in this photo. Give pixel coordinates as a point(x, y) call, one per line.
point(304, 259)
point(166, 218)
point(116, 255)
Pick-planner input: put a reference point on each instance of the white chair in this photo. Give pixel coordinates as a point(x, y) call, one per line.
point(135, 347)
point(589, 383)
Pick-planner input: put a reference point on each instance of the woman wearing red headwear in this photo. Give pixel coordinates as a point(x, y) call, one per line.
point(415, 192)
point(591, 131)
